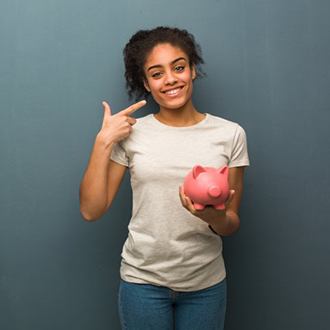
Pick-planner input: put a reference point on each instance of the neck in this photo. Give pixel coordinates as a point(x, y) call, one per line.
point(186, 115)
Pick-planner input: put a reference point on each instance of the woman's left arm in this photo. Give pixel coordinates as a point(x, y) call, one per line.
point(223, 222)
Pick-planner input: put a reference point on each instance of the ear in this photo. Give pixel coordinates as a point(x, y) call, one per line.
point(146, 85)
point(223, 170)
point(193, 70)
point(197, 170)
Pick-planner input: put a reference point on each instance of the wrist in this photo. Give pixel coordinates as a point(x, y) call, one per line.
point(102, 142)
point(222, 220)
point(211, 228)
point(227, 225)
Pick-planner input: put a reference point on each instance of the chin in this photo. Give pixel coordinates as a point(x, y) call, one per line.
point(173, 104)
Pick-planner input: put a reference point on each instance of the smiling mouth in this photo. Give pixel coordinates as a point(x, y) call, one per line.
point(173, 92)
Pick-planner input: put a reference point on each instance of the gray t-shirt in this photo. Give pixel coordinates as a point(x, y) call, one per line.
point(166, 244)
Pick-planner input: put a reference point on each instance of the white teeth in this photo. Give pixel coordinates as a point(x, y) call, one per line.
point(173, 91)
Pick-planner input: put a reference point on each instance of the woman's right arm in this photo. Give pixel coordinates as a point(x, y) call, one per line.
point(103, 176)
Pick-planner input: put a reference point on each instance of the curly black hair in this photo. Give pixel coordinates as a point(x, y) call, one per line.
point(141, 44)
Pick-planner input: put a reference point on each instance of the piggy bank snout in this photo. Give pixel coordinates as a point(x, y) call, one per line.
point(214, 191)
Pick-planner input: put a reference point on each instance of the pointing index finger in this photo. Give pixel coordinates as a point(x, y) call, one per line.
point(131, 109)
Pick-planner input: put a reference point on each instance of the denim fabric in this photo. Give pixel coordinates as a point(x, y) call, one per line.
point(150, 307)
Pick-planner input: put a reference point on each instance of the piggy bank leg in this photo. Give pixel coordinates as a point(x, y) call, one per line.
point(220, 206)
point(199, 207)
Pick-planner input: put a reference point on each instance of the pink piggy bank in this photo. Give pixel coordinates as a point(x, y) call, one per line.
point(207, 186)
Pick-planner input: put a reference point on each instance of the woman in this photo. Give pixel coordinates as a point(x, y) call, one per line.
point(172, 269)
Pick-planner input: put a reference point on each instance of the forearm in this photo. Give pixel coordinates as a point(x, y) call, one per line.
point(227, 225)
point(93, 187)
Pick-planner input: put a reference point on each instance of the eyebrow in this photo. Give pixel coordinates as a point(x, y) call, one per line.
point(158, 65)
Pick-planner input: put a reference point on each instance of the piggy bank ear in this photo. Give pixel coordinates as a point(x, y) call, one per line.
point(223, 170)
point(197, 170)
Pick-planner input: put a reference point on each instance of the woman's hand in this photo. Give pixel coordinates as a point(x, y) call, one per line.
point(223, 222)
point(209, 214)
point(118, 126)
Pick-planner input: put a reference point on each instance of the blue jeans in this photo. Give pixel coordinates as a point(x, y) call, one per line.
point(150, 307)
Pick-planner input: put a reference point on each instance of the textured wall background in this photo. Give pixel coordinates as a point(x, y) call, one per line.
point(268, 69)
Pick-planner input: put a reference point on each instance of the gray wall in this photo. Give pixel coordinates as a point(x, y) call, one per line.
point(268, 69)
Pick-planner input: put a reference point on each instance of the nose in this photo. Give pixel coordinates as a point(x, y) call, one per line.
point(170, 78)
point(214, 191)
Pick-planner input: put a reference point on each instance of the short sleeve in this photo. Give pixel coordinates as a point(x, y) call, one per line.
point(118, 154)
point(239, 152)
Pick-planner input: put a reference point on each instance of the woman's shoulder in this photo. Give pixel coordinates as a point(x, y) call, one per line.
point(223, 122)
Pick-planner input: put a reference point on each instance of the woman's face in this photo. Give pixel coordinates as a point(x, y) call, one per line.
point(169, 77)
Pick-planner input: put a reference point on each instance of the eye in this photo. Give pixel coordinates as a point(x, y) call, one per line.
point(179, 68)
point(156, 74)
